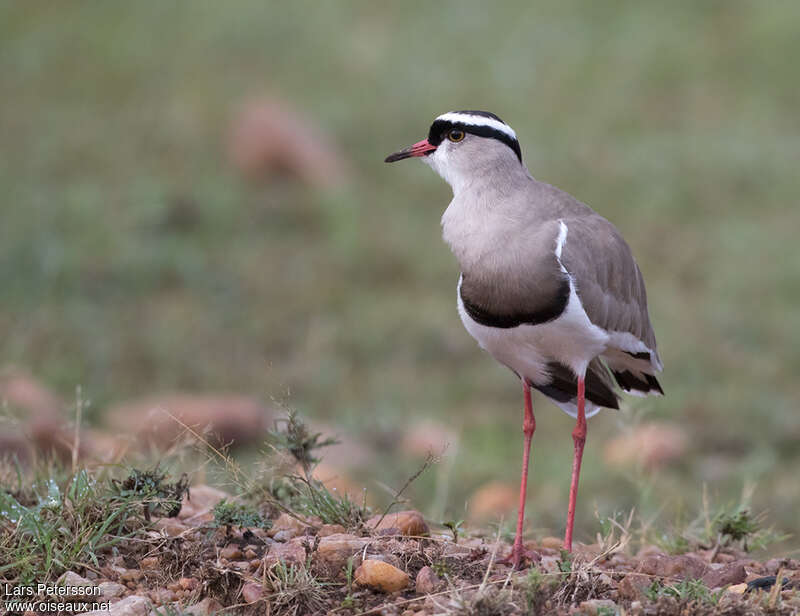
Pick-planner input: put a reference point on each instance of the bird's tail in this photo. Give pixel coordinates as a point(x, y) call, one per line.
point(634, 375)
point(563, 387)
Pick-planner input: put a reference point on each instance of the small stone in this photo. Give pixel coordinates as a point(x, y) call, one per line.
point(250, 554)
point(231, 552)
point(130, 575)
point(73, 580)
point(171, 526)
point(292, 552)
point(733, 573)
point(592, 607)
point(632, 586)
point(162, 596)
point(386, 557)
point(682, 567)
point(188, 583)
point(206, 607)
point(261, 534)
point(134, 605)
point(773, 565)
point(199, 502)
point(149, 562)
point(409, 523)
point(326, 530)
point(287, 522)
point(334, 550)
point(284, 535)
point(456, 549)
point(606, 580)
point(381, 576)
point(109, 590)
point(252, 592)
point(427, 581)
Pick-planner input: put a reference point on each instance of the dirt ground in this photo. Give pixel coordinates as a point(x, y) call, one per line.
point(396, 564)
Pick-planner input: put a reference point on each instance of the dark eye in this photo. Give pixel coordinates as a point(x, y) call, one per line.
point(455, 135)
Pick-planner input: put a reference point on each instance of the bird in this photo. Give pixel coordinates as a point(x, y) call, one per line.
point(548, 287)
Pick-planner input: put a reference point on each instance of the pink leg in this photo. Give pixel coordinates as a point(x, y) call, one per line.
point(579, 437)
point(528, 428)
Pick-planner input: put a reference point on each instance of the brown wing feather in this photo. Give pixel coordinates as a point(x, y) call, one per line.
point(607, 279)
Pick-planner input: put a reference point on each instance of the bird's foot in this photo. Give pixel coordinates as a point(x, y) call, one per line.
point(520, 558)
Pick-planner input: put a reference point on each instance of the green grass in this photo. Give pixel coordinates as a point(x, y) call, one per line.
point(294, 590)
point(676, 121)
point(228, 514)
point(303, 493)
point(685, 591)
point(51, 525)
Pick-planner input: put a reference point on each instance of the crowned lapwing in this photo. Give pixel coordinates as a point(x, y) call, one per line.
point(548, 286)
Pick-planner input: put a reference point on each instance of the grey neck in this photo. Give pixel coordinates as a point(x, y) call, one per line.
point(487, 209)
point(500, 180)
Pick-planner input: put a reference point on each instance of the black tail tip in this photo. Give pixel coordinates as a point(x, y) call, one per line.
point(631, 382)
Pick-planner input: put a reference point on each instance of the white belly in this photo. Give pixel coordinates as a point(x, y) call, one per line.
point(570, 339)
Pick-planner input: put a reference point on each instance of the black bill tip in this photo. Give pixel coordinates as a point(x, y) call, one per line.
point(421, 148)
point(393, 158)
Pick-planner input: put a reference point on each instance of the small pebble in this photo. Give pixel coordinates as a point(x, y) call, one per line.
point(231, 552)
point(188, 583)
point(252, 592)
point(109, 590)
point(284, 535)
point(149, 562)
point(381, 576)
point(331, 529)
point(130, 575)
point(410, 523)
point(427, 581)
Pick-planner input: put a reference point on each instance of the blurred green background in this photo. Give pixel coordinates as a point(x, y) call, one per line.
point(135, 258)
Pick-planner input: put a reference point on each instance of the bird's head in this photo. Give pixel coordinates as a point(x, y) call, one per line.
point(463, 144)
